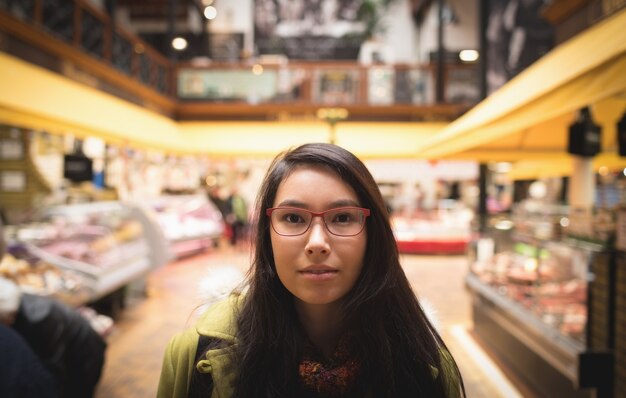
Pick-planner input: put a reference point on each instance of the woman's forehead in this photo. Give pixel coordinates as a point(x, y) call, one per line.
point(314, 185)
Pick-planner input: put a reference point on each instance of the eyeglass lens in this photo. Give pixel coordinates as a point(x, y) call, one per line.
point(343, 221)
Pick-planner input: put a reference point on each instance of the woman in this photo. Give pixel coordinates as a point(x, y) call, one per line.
point(328, 311)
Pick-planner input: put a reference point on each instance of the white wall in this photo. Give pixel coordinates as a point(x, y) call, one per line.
point(401, 33)
point(232, 16)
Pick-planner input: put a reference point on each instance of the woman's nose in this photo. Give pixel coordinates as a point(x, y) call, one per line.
point(318, 238)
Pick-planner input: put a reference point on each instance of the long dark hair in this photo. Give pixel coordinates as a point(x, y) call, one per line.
point(395, 342)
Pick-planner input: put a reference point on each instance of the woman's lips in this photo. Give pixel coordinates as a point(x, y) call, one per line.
point(319, 273)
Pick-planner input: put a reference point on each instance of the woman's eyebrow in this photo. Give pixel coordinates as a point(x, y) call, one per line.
point(293, 203)
point(345, 203)
point(331, 205)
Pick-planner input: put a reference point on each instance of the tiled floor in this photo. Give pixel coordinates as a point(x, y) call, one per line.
point(173, 297)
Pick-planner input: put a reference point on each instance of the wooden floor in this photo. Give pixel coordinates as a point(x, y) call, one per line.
point(175, 292)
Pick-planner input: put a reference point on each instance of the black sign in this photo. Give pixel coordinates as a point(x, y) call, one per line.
point(77, 168)
point(517, 35)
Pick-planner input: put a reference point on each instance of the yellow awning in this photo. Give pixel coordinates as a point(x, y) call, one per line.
point(530, 114)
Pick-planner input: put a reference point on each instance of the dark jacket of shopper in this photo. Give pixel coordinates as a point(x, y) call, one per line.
point(218, 323)
point(22, 375)
point(65, 341)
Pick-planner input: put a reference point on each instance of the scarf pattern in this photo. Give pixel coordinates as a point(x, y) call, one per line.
point(332, 378)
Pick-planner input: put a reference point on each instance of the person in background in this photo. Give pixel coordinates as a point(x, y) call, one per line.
point(237, 217)
point(60, 336)
point(327, 310)
point(219, 202)
point(22, 374)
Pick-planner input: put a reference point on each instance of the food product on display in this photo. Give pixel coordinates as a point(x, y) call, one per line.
point(39, 277)
point(128, 230)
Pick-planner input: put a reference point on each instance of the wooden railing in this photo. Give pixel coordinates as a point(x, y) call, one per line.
point(78, 32)
point(91, 31)
point(366, 91)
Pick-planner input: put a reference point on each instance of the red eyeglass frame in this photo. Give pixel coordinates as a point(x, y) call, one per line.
point(269, 211)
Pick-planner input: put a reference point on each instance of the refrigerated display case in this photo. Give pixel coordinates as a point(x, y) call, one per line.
point(93, 248)
point(538, 306)
point(190, 223)
point(445, 231)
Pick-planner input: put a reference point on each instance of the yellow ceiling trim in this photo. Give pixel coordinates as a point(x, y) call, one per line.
point(367, 140)
point(561, 166)
point(505, 155)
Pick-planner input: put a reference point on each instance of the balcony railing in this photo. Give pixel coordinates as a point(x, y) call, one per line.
point(366, 91)
point(89, 30)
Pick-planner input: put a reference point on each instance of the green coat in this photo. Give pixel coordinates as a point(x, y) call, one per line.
point(219, 322)
point(179, 361)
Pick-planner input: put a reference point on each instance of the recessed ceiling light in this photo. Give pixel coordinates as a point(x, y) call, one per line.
point(468, 55)
point(179, 43)
point(210, 12)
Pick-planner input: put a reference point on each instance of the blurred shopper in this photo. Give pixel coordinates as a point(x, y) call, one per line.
point(22, 374)
point(62, 338)
point(328, 310)
point(216, 197)
point(237, 217)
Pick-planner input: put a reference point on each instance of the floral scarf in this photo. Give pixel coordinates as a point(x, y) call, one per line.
point(332, 378)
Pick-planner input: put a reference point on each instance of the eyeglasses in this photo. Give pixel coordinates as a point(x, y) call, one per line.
point(342, 221)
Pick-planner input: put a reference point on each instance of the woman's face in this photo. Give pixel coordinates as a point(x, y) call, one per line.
point(317, 267)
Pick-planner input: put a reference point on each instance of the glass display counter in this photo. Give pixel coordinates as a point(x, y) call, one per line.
point(190, 223)
point(446, 231)
point(93, 249)
point(547, 279)
point(533, 301)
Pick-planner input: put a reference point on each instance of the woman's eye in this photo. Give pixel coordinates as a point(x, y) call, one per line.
point(293, 218)
point(342, 218)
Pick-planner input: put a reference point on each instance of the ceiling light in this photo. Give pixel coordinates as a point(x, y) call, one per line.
point(179, 43)
point(207, 2)
point(468, 55)
point(538, 190)
point(210, 12)
point(504, 225)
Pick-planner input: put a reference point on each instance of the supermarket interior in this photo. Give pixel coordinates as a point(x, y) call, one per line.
point(135, 137)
